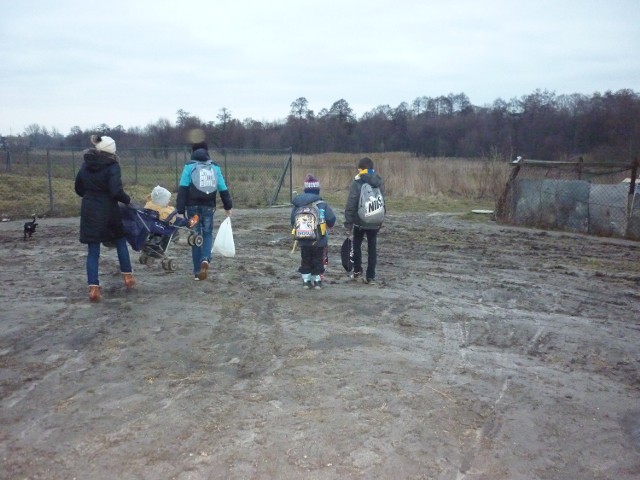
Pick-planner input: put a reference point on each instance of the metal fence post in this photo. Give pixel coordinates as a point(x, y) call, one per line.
point(287, 166)
point(290, 174)
point(135, 166)
point(175, 158)
point(50, 181)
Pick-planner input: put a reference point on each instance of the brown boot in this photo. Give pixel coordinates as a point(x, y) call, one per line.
point(94, 293)
point(129, 281)
point(204, 266)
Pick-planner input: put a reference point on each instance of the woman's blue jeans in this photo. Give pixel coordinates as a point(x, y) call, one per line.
point(93, 260)
point(205, 228)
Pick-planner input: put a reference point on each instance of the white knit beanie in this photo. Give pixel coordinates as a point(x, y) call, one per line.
point(104, 143)
point(160, 196)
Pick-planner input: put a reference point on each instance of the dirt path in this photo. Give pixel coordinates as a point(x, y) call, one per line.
point(485, 352)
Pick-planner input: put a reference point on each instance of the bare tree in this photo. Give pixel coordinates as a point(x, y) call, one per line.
point(299, 108)
point(224, 117)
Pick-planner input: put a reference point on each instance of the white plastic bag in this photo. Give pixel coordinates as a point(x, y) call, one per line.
point(223, 244)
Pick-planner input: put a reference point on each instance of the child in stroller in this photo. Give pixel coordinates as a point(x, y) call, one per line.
point(159, 200)
point(153, 229)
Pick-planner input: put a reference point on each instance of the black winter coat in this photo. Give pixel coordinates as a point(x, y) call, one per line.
point(99, 183)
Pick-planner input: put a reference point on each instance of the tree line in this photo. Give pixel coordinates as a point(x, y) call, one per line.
point(540, 125)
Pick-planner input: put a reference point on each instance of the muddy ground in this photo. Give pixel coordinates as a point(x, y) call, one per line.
point(484, 352)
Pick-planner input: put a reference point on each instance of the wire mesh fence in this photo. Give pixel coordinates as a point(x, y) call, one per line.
point(256, 178)
point(595, 198)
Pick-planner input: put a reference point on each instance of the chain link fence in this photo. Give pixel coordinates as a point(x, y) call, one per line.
point(256, 178)
point(594, 198)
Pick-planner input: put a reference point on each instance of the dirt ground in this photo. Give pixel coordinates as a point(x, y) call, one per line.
point(484, 352)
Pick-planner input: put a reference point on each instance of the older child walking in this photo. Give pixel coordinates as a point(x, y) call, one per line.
point(359, 227)
point(201, 180)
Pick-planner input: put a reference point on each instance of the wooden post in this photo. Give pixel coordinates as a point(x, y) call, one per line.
point(634, 176)
point(632, 193)
point(502, 211)
point(580, 166)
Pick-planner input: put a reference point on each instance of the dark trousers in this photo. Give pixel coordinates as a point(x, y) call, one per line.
point(312, 260)
point(372, 240)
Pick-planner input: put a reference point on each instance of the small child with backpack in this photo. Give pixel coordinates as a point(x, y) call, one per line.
point(310, 218)
point(364, 214)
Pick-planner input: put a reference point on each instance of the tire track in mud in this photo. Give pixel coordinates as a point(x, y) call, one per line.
point(456, 267)
point(256, 355)
point(526, 357)
point(249, 347)
point(452, 362)
point(42, 348)
point(69, 350)
point(458, 360)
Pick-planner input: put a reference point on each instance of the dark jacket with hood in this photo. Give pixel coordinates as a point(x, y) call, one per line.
point(189, 195)
point(351, 217)
point(329, 217)
point(99, 183)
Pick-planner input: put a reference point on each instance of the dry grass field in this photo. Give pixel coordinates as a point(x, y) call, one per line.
point(407, 176)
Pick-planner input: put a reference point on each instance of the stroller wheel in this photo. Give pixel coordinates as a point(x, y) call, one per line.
point(169, 265)
point(190, 239)
point(198, 240)
point(143, 258)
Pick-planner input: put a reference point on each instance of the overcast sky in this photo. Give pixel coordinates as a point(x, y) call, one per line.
point(67, 62)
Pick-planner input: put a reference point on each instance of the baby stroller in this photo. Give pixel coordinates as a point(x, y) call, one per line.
point(152, 237)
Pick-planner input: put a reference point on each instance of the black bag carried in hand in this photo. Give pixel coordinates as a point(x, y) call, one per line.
point(346, 252)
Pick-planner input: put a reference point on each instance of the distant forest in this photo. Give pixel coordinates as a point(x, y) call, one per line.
point(541, 125)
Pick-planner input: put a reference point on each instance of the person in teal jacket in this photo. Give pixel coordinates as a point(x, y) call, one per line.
point(197, 196)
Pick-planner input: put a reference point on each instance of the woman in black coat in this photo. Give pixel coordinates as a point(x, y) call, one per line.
point(99, 183)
